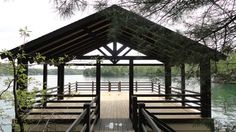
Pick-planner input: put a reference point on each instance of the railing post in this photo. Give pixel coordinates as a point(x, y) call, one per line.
point(182, 68)
point(69, 87)
point(136, 86)
point(87, 117)
point(134, 113)
point(119, 86)
point(140, 117)
point(92, 86)
point(45, 78)
point(76, 86)
point(159, 88)
point(152, 86)
point(109, 86)
point(44, 97)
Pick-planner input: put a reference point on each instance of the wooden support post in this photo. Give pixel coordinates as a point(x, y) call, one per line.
point(76, 86)
point(159, 88)
point(205, 87)
point(109, 86)
point(98, 88)
point(167, 81)
point(69, 88)
point(60, 81)
point(136, 86)
point(140, 117)
point(152, 86)
point(87, 117)
point(45, 79)
point(92, 86)
point(131, 84)
point(134, 113)
point(182, 68)
point(119, 86)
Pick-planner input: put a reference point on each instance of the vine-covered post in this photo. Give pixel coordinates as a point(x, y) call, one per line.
point(167, 81)
point(60, 81)
point(205, 87)
point(22, 81)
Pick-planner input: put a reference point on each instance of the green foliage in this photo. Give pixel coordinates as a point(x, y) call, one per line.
point(6, 69)
point(225, 70)
point(25, 99)
point(6, 96)
point(39, 58)
point(139, 71)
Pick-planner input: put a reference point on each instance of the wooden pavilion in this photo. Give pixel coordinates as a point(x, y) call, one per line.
point(117, 25)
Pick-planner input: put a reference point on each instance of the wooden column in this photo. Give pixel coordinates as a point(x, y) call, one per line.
point(45, 79)
point(45, 76)
point(167, 80)
point(205, 87)
point(98, 83)
point(60, 81)
point(131, 84)
point(182, 69)
point(22, 84)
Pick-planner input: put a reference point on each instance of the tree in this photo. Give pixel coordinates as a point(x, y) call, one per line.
point(211, 22)
point(24, 33)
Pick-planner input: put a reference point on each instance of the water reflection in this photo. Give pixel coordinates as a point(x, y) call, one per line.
point(224, 104)
point(111, 125)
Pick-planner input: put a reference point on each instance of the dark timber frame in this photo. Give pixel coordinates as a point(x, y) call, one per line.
point(117, 25)
point(60, 81)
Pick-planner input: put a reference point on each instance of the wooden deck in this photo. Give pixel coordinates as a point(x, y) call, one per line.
point(115, 114)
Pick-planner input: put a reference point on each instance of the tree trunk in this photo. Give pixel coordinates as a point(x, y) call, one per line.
point(17, 109)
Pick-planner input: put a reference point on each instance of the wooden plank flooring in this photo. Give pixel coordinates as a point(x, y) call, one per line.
point(114, 113)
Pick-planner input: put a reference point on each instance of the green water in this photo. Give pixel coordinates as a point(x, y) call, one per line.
point(224, 105)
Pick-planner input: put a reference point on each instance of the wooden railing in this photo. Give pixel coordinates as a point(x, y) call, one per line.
point(88, 118)
point(187, 103)
point(114, 86)
point(144, 121)
point(50, 95)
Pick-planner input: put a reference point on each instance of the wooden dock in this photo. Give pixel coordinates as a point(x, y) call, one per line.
point(114, 114)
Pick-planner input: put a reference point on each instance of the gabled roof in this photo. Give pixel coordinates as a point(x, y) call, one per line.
point(115, 24)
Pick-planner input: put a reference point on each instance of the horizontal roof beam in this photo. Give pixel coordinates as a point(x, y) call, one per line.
point(117, 57)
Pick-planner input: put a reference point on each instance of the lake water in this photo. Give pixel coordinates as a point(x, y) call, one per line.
point(223, 97)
